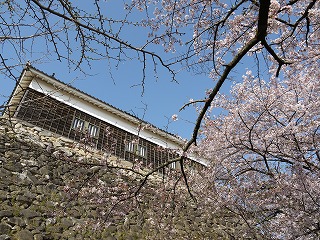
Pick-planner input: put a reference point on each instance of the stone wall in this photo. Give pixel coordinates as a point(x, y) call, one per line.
point(54, 188)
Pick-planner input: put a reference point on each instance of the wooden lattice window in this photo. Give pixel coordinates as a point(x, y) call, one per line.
point(45, 111)
point(136, 149)
point(78, 124)
point(93, 130)
point(85, 126)
point(173, 165)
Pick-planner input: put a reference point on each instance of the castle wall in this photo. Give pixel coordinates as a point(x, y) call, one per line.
point(52, 187)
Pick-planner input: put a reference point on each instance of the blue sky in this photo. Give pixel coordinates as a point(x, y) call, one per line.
point(162, 98)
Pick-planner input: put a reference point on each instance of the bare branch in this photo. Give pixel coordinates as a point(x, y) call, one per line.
point(105, 34)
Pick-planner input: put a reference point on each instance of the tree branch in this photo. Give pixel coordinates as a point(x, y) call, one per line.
point(103, 33)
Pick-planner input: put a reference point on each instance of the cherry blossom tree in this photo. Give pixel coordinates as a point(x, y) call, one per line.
point(264, 153)
point(211, 37)
point(264, 147)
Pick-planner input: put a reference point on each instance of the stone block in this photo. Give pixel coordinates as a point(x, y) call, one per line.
point(5, 174)
point(27, 213)
point(24, 235)
point(17, 221)
point(38, 236)
point(6, 213)
point(4, 237)
point(24, 199)
point(5, 228)
point(45, 133)
point(14, 165)
point(66, 223)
